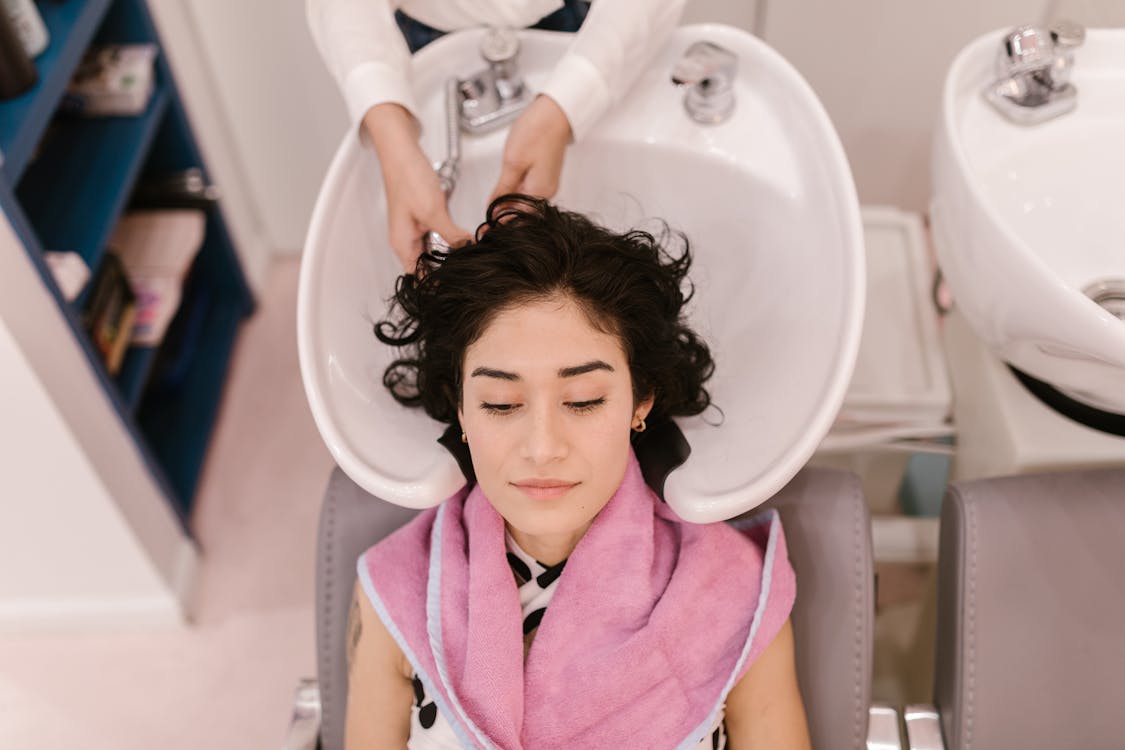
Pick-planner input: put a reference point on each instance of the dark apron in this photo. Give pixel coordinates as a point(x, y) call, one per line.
point(567, 18)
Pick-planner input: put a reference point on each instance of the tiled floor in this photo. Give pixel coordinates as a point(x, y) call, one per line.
point(227, 681)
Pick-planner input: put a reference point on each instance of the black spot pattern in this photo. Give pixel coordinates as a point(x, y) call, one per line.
point(427, 712)
point(549, 576)
point(531, 622)
point(519, 567)
point(719, 737)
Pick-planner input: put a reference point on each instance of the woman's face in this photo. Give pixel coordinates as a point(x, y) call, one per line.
point(547, 406)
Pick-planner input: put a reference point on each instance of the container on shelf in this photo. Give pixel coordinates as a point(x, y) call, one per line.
point(17, 72)
point(28, 24)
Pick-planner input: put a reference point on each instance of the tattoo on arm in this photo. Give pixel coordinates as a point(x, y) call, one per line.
point(355, 629)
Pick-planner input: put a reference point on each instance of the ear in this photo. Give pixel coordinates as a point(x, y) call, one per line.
point(645, 406)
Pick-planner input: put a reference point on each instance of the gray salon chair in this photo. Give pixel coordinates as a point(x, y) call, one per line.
point(1031, 616)
point(828, 534)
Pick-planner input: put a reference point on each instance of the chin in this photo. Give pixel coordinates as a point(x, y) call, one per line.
point(544, 521)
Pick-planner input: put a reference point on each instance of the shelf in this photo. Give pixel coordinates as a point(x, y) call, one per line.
point(179, 408)
point(71, 26)
point(75, 191)
point(65, 181)
point(134, 374)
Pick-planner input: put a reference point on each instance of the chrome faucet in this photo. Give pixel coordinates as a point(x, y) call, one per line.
point(494, 96)
point(485, 101)
point(1033, 70)
point(708, 72)
point(449, 168)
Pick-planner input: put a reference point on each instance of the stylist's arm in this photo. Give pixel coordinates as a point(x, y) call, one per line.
point(415, 201)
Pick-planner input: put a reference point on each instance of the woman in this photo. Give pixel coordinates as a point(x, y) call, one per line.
point(557, 602)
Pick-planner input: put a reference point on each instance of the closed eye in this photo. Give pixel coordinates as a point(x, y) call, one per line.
point(585, 406)
point(499, 408)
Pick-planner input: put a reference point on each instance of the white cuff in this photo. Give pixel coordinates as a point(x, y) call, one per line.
point(375, 83)
point(580, 90)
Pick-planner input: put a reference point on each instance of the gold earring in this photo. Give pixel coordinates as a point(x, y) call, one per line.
point(640, 427)
point(464, 437)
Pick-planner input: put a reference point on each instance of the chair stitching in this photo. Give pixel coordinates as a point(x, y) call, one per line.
point(328, 706)
point(860, 710)
point(971, 635)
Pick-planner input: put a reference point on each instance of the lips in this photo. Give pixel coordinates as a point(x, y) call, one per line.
point(544, 489)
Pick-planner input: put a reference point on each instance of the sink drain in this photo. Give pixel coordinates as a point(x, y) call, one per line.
point(1110, 294)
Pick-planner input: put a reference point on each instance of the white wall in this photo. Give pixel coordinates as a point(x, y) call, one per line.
point(260, 80)
point(745, 14)
point(86, 536)
point(877, 65)
point(66, 554)
point(201, 86)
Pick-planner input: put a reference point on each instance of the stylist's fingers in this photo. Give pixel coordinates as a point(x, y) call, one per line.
point(440, 221)
point(511, 179)
point(542, 179)
point(406, 240)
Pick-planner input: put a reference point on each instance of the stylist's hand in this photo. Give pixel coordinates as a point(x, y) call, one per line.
point(415, 201)
point(533, 154)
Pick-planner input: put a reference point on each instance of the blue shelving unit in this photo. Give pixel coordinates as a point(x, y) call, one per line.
point(64, 184)
point(77, 189)
point(71, 26)
point(135, 371)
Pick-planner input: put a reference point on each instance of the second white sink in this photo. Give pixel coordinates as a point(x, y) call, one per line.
point(1029, 221)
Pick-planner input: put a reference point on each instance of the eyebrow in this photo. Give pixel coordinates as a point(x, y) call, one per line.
point(565, 372)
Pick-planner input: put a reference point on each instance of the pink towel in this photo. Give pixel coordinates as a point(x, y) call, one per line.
point(653, 621)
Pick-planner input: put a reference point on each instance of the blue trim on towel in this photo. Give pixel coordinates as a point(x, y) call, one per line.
point(433, 629)
point(772, 517)
point(384, 615)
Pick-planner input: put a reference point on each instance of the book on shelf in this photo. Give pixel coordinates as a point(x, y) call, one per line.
point(110, 311)
point(157, 248)
point(112, 80)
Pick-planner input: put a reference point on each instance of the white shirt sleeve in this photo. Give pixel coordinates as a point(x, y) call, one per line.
point(364, 50)
point(617, 39)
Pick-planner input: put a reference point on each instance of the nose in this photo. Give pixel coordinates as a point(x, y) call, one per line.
point(546, 439)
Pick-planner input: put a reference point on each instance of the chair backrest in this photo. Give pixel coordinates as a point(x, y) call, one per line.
point(351, 520)
point(828, 534)
point(1031, 612)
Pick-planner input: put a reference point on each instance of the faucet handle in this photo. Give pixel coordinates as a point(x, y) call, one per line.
point(1067, 34)
point(1025, 49)
point(499, 45)
point(708, 71)
point(701, 61)
point(499, 49)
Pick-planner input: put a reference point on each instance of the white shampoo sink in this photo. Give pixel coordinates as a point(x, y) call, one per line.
point(1029, 221)
point(766, 199)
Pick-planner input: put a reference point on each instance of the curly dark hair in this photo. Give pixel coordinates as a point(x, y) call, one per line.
point(527, 249)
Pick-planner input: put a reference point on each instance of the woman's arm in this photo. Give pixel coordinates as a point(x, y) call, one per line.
point(380, 694)
point(764, 710)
